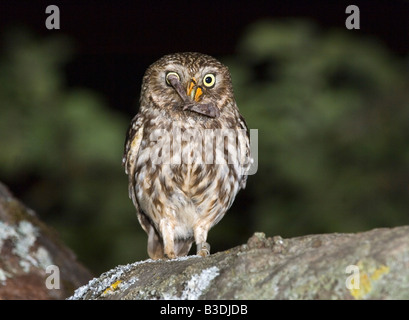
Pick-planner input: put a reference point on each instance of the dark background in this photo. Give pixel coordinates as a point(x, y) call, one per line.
point(107, 46)
point(115, 42)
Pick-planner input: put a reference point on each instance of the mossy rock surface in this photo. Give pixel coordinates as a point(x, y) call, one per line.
point(367, 265)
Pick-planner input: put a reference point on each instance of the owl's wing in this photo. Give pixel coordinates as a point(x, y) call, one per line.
point(129, 160)
point(244, 147)
point(132, 144)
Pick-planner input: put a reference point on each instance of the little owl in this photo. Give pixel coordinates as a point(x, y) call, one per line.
point(187, 152)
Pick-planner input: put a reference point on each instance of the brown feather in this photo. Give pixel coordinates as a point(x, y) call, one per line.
point(178, 201)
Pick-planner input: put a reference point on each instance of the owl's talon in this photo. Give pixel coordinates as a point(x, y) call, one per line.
point(203, 249)
point(170, 255)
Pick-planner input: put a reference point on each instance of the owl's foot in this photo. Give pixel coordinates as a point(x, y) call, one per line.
point(170, 255)
point(203, 249)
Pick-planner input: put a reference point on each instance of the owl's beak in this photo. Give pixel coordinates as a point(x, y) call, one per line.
point(193, 90)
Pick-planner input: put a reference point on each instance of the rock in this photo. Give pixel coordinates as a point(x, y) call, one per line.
point(34, 263)
point(367, 265)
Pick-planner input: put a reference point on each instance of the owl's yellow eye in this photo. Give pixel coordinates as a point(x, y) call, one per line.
point(209, 80)
point(171, 73)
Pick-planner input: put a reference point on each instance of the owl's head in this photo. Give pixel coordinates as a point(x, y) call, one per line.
point(188, 81)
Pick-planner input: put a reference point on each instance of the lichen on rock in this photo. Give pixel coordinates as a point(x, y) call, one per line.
point(308, 267)
point(27, 248)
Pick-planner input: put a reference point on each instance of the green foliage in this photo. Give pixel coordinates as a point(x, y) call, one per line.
point(332, 110)
point(332, 113)
point(62, 149)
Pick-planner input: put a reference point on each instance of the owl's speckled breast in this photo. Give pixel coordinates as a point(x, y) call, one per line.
point(183, 185)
